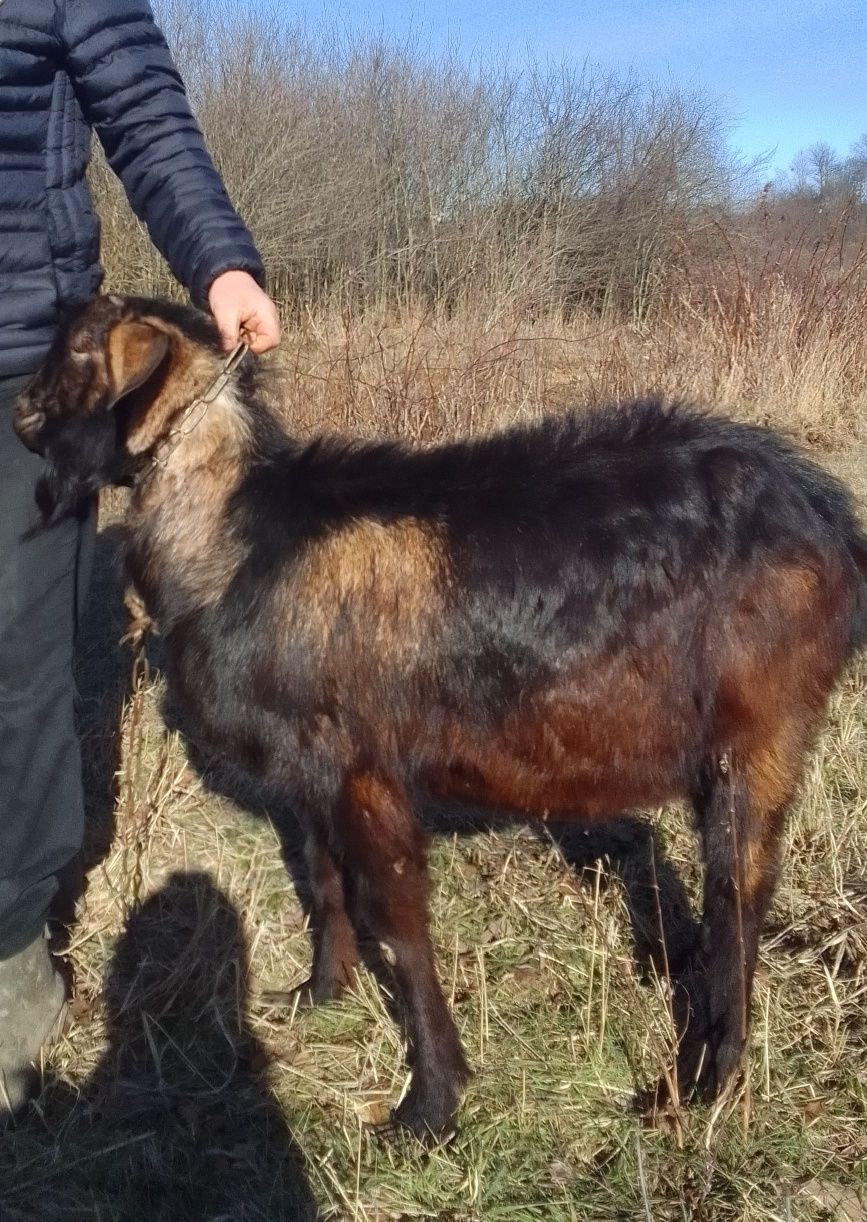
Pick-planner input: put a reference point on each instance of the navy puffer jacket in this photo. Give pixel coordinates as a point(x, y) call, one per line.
point(67, 66)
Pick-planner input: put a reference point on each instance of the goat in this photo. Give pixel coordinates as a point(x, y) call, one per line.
point(591, 613)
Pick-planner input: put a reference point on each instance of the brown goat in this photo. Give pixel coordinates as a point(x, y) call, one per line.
point(590, 614)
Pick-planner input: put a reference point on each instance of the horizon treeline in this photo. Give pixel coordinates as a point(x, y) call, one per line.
point(374, 175)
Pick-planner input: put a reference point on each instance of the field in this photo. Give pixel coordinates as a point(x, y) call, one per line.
point(189, 1086)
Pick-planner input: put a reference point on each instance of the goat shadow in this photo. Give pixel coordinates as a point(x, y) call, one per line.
point(630, 850)
point(176, 1121)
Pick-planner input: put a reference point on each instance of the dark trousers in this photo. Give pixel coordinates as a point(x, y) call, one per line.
point(43, 582)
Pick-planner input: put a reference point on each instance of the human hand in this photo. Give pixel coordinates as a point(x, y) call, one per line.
point(244, 311)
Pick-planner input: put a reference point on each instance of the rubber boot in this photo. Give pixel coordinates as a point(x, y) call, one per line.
point(32, 1011)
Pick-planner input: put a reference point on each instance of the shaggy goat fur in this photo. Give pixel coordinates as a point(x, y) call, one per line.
point(588, 614)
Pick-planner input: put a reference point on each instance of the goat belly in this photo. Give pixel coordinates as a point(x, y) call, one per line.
point(576, 758)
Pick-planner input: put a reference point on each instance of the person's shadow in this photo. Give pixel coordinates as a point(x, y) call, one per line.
point(176, 1121)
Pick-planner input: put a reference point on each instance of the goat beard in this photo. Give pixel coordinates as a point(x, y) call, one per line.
point(62, 494)
point(84, 464)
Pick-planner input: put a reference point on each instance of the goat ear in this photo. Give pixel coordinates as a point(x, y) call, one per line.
point(134, 351)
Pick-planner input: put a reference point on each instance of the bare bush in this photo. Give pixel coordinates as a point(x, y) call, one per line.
point(368, 170)
point(402, 201)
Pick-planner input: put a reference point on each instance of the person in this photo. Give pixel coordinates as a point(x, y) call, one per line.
point(69, 67)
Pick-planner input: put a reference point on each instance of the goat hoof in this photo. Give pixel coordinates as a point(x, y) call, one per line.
point(317, 993)
point(304, 996)
point(432, 1124)
point(702, 1076)
point(706, 1068)
point(396, 1132)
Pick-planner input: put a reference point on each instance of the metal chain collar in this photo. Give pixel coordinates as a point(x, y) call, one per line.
point(188, 422)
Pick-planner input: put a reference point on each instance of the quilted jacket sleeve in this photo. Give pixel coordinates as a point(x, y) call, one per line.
point(131, 93)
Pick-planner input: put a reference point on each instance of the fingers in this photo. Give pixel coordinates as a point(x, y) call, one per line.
point(229, 332)
point(261, 329)
point(243, 311)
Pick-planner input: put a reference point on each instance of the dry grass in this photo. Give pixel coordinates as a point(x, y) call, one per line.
point(430, 377)
point(188, 1087)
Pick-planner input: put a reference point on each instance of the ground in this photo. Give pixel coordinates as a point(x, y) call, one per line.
point(189, 1086)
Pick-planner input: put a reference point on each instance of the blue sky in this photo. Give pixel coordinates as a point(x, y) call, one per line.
point(789, 72)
